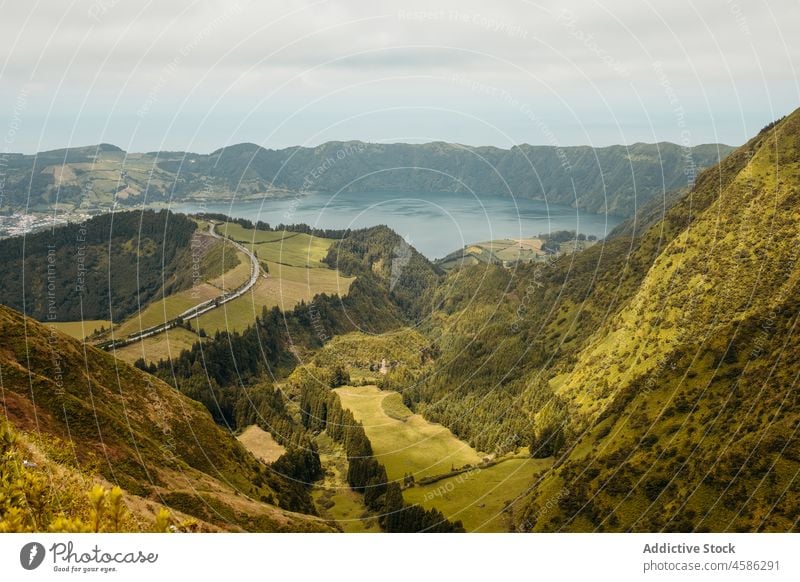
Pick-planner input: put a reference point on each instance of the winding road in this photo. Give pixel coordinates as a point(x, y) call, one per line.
point(200, 308)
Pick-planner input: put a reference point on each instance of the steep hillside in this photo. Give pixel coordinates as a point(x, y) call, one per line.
point(105, 268)
point(683, 401)
point(92, 415)
point(611, 179)
point(503, 334)
point(661, 362)
point(407, 275)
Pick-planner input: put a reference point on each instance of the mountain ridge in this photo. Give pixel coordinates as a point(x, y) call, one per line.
point(606, 180)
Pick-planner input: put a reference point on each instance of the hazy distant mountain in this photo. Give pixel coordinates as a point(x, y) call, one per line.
point(614, 179)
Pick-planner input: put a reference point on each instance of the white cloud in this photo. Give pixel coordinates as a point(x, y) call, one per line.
point(203, 73)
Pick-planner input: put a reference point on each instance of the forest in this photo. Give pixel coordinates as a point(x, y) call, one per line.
point(107, 267)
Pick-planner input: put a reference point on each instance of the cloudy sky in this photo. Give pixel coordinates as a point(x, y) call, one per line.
point(197, 75)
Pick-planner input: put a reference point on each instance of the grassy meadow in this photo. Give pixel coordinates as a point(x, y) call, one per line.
point(478, 497)
point(259, 442)
point(80, 329)
point(411, 445)
point(161, 346)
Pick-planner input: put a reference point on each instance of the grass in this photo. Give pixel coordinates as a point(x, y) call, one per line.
point(261, 444)
point(289, 248)
point(413, 445)
point(161, 346)
point(394, 407)
point(284, 287)
point(334, 498)
point(478, 497)
point(235, 277)
point(166, 309)
point(80, 329)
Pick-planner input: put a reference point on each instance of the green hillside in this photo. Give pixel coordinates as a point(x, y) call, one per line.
point(683, 402)
point(657, 368)
point(105, 268)
point(90, 418)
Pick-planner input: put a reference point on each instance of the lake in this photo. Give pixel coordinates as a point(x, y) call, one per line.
point(435, 223)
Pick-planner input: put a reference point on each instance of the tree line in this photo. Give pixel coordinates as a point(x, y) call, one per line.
point(321, 410)
point(334, 233)
point(103, 268)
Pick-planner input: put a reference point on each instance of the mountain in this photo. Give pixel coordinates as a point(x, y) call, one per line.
point(85, 417)
point(683, 401)
point(614, 179)
point(658, 369)
point(647, 383)
point(105, 268)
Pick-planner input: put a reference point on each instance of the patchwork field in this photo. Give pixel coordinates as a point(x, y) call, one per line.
point(295, 274)
point(289, 248)
point(402, 441)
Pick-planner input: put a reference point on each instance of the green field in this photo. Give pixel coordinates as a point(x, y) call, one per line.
point(261, 444)
point(413, 445)
point(80, 329)
point(284, 287)
point(478, 497)
point(289, 248)
point(161, 346)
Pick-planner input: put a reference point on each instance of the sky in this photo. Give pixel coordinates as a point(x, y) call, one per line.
point(199, 75)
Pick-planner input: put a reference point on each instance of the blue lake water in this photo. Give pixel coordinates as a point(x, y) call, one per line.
point(435, 223)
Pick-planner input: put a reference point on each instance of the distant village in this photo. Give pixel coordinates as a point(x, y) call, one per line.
point(23, 223)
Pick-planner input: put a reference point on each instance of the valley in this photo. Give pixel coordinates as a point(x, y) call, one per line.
point(345, 382)
point(404, 442)
point(438, 470)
